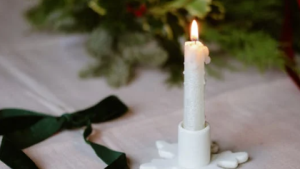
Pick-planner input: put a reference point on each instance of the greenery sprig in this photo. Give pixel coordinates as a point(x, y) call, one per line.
point(125, 34)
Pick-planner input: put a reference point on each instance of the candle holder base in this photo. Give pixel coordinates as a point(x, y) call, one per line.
point(169, 159)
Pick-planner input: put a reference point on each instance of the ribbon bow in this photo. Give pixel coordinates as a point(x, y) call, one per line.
point(23, 128)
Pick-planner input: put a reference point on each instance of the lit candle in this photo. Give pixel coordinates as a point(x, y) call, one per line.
point(195, 55)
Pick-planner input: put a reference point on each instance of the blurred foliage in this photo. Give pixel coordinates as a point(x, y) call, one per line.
point(117, 63)
point(125, 34)
point(63, 15)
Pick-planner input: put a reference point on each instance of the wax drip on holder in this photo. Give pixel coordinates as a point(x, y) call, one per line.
point(194, 149)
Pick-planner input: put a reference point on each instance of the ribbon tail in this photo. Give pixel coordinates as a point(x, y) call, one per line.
point(109, 108)
point(114, 159)
point(23, 128)
point(36, 133)
point(13, 157)
point(12, 144)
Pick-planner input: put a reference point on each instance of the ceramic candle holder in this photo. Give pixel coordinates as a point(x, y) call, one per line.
point(194, 151)
point(193, 147)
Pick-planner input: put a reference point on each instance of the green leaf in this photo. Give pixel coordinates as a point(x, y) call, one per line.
point(198, 8)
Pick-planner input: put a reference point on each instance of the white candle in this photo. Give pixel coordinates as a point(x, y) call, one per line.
point(195, 55)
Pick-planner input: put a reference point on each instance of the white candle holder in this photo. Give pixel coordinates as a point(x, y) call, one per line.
point(194, 151)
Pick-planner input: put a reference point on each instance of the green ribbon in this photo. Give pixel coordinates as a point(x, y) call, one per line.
point(22, 128)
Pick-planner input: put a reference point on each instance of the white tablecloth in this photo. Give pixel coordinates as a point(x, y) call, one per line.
point(248, 111)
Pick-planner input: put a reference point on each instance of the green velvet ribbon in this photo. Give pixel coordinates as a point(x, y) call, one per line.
point(22, 128)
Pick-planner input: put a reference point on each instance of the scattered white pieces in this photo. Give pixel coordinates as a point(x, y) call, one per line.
point(168, 152)
point(230, 160)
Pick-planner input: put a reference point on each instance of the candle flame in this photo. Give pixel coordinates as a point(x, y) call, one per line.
point(194, 31)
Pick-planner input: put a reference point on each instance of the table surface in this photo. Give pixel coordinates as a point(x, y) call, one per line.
point(247, 111)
